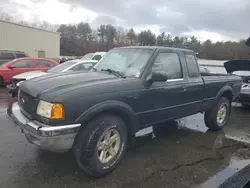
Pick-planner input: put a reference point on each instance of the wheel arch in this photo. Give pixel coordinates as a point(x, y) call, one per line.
point(119, 108)
point(226, 92)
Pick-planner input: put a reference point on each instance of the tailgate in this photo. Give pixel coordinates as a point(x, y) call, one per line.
point(237, 65)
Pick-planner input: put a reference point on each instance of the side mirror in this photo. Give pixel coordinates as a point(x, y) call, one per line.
point(157, 76)
point(12, 66)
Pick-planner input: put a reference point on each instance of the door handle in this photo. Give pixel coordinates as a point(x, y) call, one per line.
point(184, 87)
point(132, 97)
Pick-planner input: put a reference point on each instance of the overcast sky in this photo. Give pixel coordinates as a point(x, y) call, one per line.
point(213, 19)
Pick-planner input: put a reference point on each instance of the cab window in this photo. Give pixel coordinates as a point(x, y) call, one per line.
point(193, 70)
point(170, 63)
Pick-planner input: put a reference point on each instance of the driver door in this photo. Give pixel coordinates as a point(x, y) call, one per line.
point(19, 67)
point(42, 65)
point(165, 100)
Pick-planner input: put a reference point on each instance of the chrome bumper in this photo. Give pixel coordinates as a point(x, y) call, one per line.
point(56, 138)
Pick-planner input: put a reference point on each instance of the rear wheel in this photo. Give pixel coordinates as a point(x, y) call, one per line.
point(216, 118)
point(100, 145)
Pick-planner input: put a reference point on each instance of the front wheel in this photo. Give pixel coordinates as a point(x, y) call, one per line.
point(216, 118)
point(1, 82)
point(100, 145)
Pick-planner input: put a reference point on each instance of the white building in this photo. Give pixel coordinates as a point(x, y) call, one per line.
point(35, 42)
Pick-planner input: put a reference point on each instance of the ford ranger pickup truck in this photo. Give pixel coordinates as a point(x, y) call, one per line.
point(97, 114)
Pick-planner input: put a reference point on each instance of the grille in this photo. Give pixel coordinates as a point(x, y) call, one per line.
point(14, 81)
point(246, 79)
point(27, 103)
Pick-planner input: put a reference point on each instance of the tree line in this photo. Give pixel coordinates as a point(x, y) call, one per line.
point(79, 39)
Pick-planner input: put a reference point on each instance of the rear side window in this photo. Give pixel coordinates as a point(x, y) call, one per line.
point(76, 68)
point(23, 64)
point(193, 70)
point(43, 63)
point(97, 57)
point(6, 55)
point(170, 63)
point(88, 66)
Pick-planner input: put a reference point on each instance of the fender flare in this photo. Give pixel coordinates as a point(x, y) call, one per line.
point(224, 90)
point(117, 107)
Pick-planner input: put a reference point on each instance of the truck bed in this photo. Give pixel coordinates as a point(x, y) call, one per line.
point(213, 83)
point(212, 74)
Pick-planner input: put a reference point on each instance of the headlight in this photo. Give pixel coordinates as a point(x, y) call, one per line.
point(18, 84)
point(50, 110)
point(18, 94)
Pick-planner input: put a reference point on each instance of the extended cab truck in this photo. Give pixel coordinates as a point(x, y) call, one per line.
point(98, 113)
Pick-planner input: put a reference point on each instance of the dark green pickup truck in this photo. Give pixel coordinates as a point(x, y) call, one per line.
point(98, 113)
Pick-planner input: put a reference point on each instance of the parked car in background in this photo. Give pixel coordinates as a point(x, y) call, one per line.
point(69, 66)
point(94, 56)
point(6, 56)
point(63, 59)
point(97, 114)
point(241, 68)
point(87, 56)
point(17, 66)
point(203, 69)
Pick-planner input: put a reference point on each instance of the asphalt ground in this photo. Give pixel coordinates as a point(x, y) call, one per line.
point(187, 155)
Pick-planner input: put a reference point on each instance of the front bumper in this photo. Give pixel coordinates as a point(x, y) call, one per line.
point(55, 139)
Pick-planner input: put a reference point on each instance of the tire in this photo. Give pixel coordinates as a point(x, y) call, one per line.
point(212, 120)
point(90, 136)
point(1, 82)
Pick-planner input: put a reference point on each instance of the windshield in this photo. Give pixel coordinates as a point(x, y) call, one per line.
point(127, 61)
point(7, 63)
point(88, 56)
point(61, 67)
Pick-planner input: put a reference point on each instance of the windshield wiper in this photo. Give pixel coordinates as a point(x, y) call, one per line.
point(117, 73)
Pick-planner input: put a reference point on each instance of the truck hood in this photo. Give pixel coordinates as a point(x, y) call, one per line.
point(29, 75)
point(64, 82)
point(237, 65)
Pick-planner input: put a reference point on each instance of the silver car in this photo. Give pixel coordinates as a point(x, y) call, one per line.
point(241, 68)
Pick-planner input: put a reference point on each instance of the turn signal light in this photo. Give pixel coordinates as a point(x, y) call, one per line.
point(57, 111)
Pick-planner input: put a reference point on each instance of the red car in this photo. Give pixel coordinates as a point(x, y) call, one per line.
point(17, 66)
